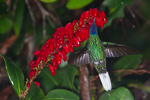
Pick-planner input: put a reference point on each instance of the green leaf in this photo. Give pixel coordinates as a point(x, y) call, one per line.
point(116, 9)
point(35, 93)
point(120, 93)
point(48, 1)
point(19, 16)
point(48, 81)
point(3, 0)
point(68, 74)
point(61, 94)
point(64, 78)
point(128, 62)
point(77, 4)
point(5, 24)
point(15, 75)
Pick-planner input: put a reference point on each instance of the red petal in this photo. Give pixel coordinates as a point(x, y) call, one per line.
point(30, 74)
point(74, 22)
point(87, 15)
point(105, 20)
point(28, 84)
point(65, 48)
point(95, 11)
point(37, 53)
point(64, 55)
point(32, 66)
point(51, 69)
point(58, 59)
point(91, 12)
point(82, 15)
point(76, 42)
point(66, 27)
point(37, 61)
point(37, 84)
point(55, 34)
point(33, 73)
point(81, 21)
point(44, 47)
point(32, 62)
point(49, 41)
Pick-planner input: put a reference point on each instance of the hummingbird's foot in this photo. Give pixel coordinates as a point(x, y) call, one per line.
point(106, 82)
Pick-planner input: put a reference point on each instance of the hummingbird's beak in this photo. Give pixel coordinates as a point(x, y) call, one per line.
point(106, 82)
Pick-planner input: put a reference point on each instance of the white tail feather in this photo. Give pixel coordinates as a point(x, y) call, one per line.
point(106, 82)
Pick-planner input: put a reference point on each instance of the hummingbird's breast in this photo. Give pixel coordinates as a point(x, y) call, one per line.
point(96, 48)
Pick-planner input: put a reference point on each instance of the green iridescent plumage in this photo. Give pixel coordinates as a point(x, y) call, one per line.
point(96, 50)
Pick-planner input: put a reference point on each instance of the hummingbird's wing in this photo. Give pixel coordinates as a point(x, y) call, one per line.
point(80, 57)
point(117, 50)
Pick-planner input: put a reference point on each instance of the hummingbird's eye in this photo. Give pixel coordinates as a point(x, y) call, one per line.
point(96, 62)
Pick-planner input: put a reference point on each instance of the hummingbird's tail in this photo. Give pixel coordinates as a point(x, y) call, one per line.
point(106, 82)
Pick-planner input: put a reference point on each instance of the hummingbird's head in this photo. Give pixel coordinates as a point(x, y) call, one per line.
point(93, 28)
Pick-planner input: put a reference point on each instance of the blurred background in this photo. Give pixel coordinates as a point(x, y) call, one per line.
point(25, 25)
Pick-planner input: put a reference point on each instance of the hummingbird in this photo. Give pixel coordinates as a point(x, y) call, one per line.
point(96, 52)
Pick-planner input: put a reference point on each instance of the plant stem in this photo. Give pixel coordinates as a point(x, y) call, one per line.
point(84, 83)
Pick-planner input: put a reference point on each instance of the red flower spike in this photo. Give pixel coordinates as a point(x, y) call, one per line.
point(65, 48)
point(87, 15)
point(74, 22)
point(32, 66)
point(105, 20)
point(51, 69)
point(81, 21)
point(28, 84)
point(30, 74)
point(91, 12)
point(95, 11)
point(66, 27)
point(37, 53)
point(32, 62)
point(76, 42)
point(37, 84)
point(64, 57)
point(58, 59)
